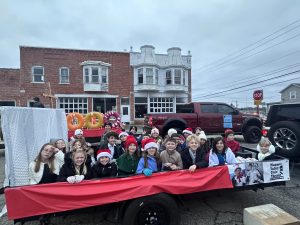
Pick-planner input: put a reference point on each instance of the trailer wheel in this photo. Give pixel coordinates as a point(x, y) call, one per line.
point(159, 209)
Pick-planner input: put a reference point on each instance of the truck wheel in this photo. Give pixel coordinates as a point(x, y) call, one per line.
point(159, 209)
point(252, 134)
point(286, 136)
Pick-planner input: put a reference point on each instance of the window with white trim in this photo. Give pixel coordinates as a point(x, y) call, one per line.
point(184, 74)
point(293, 95)
point(37, 74)
point(149, 76)
point(168, 77)
point(140, 76)
point(156, 76)
point(161, 105)
point(73, 104)
point(64, 75)
point(177, 76)
point(95, 74)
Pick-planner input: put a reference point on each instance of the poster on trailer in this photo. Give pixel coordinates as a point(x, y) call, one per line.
point(251, 173)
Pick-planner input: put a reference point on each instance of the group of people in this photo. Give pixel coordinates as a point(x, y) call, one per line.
point(127, 153)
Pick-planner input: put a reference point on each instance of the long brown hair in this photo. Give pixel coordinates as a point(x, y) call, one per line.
point(83, 166)
point(145, 157)
point(38, 159)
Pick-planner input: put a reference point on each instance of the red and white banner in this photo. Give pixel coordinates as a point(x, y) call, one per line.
point(26, 201)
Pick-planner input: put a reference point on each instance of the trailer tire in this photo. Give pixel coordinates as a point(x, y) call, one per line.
point(154, 209)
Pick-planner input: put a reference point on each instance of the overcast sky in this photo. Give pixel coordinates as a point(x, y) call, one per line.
point(217, 32)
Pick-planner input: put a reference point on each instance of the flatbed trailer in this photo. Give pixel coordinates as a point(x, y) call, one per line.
point(136, 199)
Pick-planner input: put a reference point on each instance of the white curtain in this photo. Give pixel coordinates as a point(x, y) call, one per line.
point(25, 130)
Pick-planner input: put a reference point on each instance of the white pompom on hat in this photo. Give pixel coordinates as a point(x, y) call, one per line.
point(123, 134)
point(171, 131)
point(202, 135)
point(78, 132)
point(104, 152)
point(149, 143)
point(188, 131)
point(154, 130)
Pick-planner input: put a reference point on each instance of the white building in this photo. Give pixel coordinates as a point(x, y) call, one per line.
point(161, 81)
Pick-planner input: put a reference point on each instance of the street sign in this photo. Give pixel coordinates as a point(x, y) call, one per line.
point(258, 95)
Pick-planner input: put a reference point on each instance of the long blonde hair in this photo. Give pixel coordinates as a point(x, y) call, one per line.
point(83, 166)
point(38, 159)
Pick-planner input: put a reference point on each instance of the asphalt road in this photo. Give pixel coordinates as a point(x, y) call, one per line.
point(212, 208)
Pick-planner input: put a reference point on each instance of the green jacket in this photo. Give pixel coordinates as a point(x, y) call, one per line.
point(127, 164)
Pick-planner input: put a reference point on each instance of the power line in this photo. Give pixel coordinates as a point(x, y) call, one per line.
point(252, 78)
point(256, 53)
point(283, 75)
point(259, 65)
point(250, 88)
point(251, 44)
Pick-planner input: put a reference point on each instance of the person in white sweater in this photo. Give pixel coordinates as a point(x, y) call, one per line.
point(220, 154)
point(46, 166)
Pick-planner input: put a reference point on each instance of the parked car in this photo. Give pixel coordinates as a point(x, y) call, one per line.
point(212, 117)
point(284, 129)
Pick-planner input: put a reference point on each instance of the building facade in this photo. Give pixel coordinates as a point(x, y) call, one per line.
point(291, 94)
point(132, 83)
point(161, 81)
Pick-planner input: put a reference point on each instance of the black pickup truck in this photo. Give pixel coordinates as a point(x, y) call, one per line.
point(283, 124)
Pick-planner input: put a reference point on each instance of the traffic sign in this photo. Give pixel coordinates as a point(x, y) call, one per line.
point(258, 95)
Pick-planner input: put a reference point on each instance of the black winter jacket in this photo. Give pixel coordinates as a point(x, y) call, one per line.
point(187, 160)
point(108, 170)
point(68, 169)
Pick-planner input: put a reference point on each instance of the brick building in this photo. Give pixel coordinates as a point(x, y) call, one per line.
point(132, 83)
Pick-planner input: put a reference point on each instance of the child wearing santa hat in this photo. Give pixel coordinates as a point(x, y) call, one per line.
point(187, 132)
point(155, 135)
point(230, 142)
point(121, 147)
point(104, 167)
point(127, 163)
point(149, 162)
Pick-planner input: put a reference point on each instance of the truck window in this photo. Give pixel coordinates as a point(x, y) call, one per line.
point(208, 108)
point(225, 109)
point(186, 108)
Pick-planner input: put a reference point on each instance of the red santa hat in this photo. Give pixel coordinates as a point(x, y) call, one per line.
point(149, 143)
point(123, 133)
point(188, 131)
point(104, 152)
point(130, 140)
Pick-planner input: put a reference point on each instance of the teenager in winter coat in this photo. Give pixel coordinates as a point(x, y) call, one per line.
point(193, 157)
point(104, 167)
point(110, 143)
point(46, 166)
point(127, 163)
point(220, 154)
point(76, 170)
